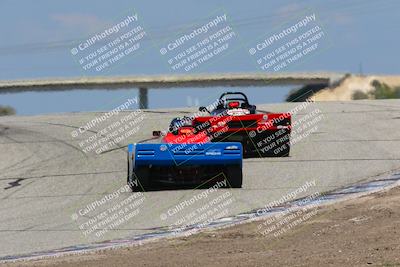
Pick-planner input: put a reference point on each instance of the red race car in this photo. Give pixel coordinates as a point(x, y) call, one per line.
point(234, 119)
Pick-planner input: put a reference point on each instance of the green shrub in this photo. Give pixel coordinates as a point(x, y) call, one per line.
point(359, 95)
point(380, 91)
point(6, 110)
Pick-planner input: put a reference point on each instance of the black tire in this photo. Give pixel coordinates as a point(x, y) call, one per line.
point(234, 176)
point(129, 178)
point(142, 175)
point(285, 152)
point(139, 180)
point(277, 149)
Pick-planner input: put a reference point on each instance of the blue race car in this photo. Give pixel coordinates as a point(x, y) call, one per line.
point(183, 156)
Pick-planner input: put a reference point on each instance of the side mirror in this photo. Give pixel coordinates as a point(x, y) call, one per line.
point(203, 109)
point(156, 133)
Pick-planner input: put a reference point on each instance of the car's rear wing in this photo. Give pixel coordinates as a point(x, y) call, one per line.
point(164, 154)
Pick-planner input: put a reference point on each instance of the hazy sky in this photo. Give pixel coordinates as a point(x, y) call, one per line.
point(37, 37)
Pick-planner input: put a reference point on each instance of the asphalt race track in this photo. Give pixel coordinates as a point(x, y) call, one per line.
point(46, 178)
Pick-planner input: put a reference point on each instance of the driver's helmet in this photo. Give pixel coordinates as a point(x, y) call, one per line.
point(177, 123)
point(231, 104)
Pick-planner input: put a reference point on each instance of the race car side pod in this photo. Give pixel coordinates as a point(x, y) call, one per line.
point(183, 163)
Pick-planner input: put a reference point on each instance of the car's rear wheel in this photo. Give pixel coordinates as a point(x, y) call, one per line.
point(234, 176)
point(142, 177)
point(128, 176)
point(284, 152)
point(277, 146)
point(139, 180)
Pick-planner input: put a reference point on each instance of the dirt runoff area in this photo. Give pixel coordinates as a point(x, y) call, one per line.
point(358, 232)
point(346, 88)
